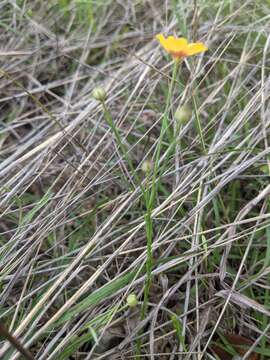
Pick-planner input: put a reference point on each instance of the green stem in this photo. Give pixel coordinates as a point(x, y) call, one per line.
point(150, 197)
point(149, 261)
point(148, 215)
point(164, 129)
point(122, 147)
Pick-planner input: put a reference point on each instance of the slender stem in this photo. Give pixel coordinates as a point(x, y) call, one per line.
point(149, 193)
point(149, 236)
point(164, 129)
point(147, 218)
point(150, 197)
point(122, 147)
point(149, 261)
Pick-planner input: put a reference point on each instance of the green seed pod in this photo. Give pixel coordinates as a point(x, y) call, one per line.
point(132, 300)
point(99, 94)
point(183, 114)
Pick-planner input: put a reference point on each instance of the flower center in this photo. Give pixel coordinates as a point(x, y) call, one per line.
point(179, 54)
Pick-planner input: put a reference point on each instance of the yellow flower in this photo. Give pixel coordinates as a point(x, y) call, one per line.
point(179, 47)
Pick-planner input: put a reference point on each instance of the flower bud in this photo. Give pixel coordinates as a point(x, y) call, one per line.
point(265, 169)
point(132, 300)
point(147, 166)
point(183, 114)
point(99, 94)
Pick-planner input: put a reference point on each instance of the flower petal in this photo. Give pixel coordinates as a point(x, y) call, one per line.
point(179, 47)
point(172, 44)
point(180, 44)
point(161, 39)
point(196, 48)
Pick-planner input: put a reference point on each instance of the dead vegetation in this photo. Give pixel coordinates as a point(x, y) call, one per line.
point(73, 236)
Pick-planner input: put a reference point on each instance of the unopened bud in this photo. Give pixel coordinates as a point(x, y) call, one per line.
point(132, 300)
point(183, 114)
point(99, 94)
point(265, 169)
point(147, 166)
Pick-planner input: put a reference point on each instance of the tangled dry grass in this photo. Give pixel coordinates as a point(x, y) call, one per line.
point(73, 238)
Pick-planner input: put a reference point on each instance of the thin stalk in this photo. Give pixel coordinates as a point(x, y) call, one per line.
point(122, 147)
point(150, 195)
point(149, 236)
point(147, 217)
point(164, 129)
point(149, 261)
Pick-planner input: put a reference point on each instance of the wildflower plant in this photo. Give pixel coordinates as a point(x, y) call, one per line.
point(124, 215)
point(178, 48)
